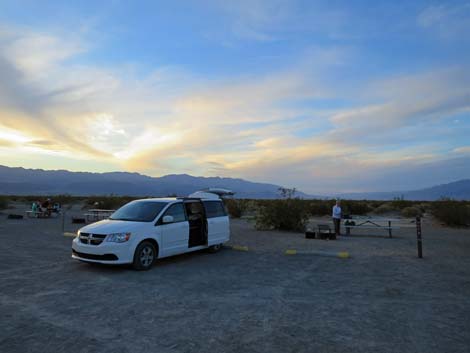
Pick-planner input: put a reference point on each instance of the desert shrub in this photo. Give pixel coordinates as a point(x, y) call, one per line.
point(360, 208)
point(412, 211)
point(234, 207)
point(321, 207)
point(62, 199)
point(249, 206)
point(3, 202)
point(399, 203)
point(65, 199)
point(384, 208)
point(107, 202)
point(356, 207)
point(286, 214)
point(424, 207)
point(452, 213)
point(373, 204)
point(348, 207)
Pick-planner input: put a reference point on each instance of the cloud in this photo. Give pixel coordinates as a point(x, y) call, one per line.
point(403, 102)
point(34, 52)
point(462, 150)
point(29, 66)
point(278, 20)
point(6, 143)
point(449, 20)
point(268, 126)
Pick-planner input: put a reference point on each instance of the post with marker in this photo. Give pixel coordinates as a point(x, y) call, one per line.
point(418, 237)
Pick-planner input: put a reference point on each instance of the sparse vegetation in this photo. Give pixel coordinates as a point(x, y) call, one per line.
point(399, 203)
point(3, 202)
point(355, 207)
point(288, 213)
point(234, 207)
point(320, 207)
point(452, 213)
point(384, 208)
point(411, 211)
point(108, 202)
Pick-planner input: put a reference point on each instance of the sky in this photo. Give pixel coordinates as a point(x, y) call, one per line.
point(325, 96)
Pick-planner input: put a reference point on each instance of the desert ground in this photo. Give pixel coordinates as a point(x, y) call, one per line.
point(380, 299)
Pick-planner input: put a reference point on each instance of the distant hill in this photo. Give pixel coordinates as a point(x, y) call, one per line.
point(458, 190)
point(21, 181)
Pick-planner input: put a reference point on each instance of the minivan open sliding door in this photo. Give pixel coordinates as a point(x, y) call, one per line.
point(197, 223)
point(218, 222)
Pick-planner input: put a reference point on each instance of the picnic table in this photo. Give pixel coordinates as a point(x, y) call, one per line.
point(38, 211)
point(97, 214)
point(370, 223)
point(38, 214)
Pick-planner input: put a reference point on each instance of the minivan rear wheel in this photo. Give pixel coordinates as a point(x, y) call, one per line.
point(144, 256)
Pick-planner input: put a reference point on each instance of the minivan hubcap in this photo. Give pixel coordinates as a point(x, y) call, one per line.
point(146, 256)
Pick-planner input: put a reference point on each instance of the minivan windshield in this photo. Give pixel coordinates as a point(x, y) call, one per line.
point(139, 211)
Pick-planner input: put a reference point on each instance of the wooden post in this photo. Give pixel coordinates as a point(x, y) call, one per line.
point(63, 221)
point(418, 237)
point(389, 229)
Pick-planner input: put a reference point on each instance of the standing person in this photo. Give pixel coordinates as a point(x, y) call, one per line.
point(337, 217)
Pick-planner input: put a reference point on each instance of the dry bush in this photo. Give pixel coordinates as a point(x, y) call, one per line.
point(384, 208)
point(234, 207)
point(355, 207)
point(452, 213)
point(3, 202)
point(424, 207)
point(320, 207)
point(287, 214)
point(410, 212)
point(399, 203)
point(108, 202)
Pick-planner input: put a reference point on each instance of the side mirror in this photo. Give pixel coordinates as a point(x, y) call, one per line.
point(167, 219)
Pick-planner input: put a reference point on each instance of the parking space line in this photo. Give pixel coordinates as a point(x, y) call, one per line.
point(68, 234)
point(238, 247)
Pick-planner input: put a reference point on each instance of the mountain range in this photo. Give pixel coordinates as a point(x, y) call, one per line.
point(21, 181)
point(458, 190)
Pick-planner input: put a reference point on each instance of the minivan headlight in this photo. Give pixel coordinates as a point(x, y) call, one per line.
point(118, 237)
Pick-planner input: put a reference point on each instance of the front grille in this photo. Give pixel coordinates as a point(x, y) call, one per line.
point(105, 257)
point(91, 239)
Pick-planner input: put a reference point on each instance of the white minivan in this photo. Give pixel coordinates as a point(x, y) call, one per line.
point(144, 230)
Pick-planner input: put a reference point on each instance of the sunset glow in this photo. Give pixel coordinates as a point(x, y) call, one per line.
point(305, 94)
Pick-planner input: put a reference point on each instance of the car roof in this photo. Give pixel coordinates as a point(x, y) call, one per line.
point(172, 199)
point(159, 199)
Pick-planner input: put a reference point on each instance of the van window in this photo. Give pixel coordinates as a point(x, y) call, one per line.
point(214, 209)
point(138, 211)
point(177, 211)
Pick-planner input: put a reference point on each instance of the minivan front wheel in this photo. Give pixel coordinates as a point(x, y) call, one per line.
point(144, 256)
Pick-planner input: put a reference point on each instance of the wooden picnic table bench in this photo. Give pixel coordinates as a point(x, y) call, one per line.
point(324, 232)
point(38, 214)
point(369, 223)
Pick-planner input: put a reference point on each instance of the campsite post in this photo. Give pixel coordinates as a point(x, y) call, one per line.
point(418, 237)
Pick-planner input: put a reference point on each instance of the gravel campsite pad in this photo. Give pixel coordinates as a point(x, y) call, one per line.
point(248, 298)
